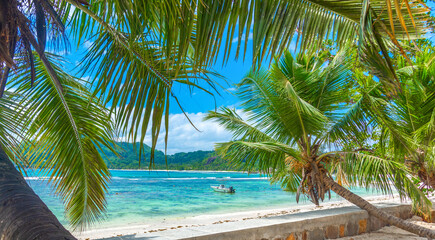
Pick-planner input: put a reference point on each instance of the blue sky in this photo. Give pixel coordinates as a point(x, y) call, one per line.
point(197, 101)
point(182, 136)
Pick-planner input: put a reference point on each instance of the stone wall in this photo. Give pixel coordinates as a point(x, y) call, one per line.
point(323, 224)
point(346, 225)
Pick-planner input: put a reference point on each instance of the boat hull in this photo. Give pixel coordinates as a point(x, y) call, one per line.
point(223, 190)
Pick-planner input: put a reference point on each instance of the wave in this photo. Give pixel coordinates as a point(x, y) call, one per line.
point(131, 179)
point(32, 178)
point(167, 179)
point(188, 178)
point(253, 178)
point(41, 178)
point(214, 178)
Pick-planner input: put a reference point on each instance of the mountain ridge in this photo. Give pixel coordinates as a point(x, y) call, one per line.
point(196, 160)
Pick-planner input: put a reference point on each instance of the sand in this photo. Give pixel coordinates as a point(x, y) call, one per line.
point(393, 233)
point(203, 220)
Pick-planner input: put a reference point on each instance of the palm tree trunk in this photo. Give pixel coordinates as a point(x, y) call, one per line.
point(381, 215)
point(23, 215)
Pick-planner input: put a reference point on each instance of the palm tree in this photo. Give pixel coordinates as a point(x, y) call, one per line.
point(56, 124)
point(143, 50)
point(59, 133)
point(297, 110)
point(197, 31)
point(412, 114)
point(416, 111)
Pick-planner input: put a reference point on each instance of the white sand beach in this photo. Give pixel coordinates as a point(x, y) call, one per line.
point(204, 220)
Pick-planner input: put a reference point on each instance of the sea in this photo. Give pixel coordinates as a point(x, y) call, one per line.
point(141, 196)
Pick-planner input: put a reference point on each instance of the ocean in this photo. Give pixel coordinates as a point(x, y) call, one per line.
point(139, 197)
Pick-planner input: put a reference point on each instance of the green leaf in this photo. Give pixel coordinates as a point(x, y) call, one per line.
point(66, 131)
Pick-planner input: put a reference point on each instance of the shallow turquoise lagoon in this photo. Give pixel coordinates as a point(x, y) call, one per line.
point(138, 197)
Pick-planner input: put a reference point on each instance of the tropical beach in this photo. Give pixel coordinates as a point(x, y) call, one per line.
point(221, 220)
point(217, 119)
point(186, 201)
point(133, 195)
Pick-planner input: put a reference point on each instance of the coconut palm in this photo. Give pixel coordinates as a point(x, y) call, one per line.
point(197, 31)
point(412, 114)
point(145, 48)
point(295, 112)
point(60, 133)
point(416, 109)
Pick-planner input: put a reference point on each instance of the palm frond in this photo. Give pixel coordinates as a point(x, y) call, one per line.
point(209, 25)
point(139, 97)
point(66, 131)
point(268, 157)
point(194, 33)
point(12, 129)
point(352, 126)
point(382, 174)
point(288, 178)
point(331, 85)
point(234, 123)
point(383, 115)
point(274, 98)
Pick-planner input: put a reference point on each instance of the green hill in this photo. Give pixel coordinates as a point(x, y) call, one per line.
point(197, 160)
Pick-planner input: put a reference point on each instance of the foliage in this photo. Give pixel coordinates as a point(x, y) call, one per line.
point(409, 133)
point(63, 133)
point(198, 160)
point(157, 45)
point(142, 49)
point(302, 124)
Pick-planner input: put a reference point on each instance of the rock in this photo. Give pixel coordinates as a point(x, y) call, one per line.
point(331, 232)
point(292, 236)
point(352, 228)
point(341, 230)
point(362, 226)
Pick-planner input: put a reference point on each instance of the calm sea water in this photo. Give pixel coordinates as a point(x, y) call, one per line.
point(138, 197)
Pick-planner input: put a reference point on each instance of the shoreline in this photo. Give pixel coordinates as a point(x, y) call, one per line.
point(210, 219)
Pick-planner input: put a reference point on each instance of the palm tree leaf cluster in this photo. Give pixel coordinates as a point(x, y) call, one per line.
point(208, 25)
point(292, 124)
point(66, 131)
point(186, 38)
point(27, 26)
point(409, 133)
point(142, 50)
point(301, 135)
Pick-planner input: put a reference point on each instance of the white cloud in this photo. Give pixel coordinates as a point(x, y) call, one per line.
point(250, 37)
point(86, 78)
point(87, 44)
point(71, 13)
point(183, 137)
point(60, 52)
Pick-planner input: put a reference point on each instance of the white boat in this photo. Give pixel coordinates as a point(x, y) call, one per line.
point(223, 189)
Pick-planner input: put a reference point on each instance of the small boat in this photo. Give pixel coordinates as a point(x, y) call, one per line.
point(223, 189)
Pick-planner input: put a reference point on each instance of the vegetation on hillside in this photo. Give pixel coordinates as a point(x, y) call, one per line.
point(198, 160)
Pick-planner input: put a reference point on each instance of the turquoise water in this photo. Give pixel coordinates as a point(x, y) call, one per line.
point(138, 197)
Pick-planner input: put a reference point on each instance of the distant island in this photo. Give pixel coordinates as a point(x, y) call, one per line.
point(197, 160)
